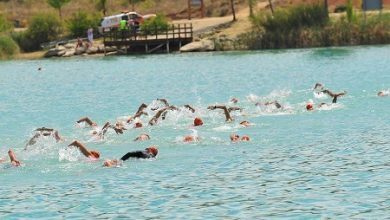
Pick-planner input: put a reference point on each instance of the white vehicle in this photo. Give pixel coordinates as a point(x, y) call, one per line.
point(114, 20)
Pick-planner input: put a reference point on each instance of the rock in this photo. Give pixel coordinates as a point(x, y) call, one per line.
point(70, 46)
point(54, 52)
point(92, 50)
point(111, 49)
point(61, 53)
point(60, 48)
point(100, 48)
point(80, 50)
point(203, 45)
point(69, 53)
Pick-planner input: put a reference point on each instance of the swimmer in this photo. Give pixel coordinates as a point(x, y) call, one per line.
point(225, 110)
point(234, 100)
point(138, 125)
point(139, 112)
point(198, 121)
point(318, 87)
point(275, 103)
point(13, 159)
point(88, 121)
point(236, 138)
point(190, 138)
point(161, 112)
point(383, 93)
point(150, 152)
point(334, 95)
point(310, 106)
point(163, 101)
point(142, 137)
point(83, 149)
point(190, 108)
point(39, 132)
point(245, 123)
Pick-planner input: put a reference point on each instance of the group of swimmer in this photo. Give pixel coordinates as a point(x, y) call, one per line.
point(161, 112)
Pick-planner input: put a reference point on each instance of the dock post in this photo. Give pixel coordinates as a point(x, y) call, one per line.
point(146, 48)
point(167, 46)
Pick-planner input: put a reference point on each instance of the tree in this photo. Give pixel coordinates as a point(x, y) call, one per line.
point(132, 3)
point(270, 6)
point(251, 4)
point(233, 10)
point(101, 5)
point(58, 4)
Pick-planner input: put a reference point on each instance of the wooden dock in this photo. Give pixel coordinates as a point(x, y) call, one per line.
point(151, 41)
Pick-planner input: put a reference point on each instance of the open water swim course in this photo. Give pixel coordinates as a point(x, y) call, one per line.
point(326, 163)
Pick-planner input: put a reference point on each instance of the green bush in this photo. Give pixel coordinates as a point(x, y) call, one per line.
point(8, 47)
point(4, 24)
point(43, 28)
point(156, 24)
point(80, 22)
point(285, 20)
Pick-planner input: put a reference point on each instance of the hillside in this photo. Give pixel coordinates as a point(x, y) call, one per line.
point(22, 10)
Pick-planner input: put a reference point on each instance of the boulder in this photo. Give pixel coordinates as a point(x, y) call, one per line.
point(70, 46)
point(92, 50)
point(80, 50)
point(203, 45)
point(100, 48)
point(55, 52)
point(69, 53)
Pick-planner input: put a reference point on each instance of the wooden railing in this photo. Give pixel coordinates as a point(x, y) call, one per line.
point(172, 32)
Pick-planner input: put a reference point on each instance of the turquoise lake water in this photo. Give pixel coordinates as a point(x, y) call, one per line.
point(332, 162)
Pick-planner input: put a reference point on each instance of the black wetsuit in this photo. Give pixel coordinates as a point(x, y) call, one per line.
point(137, 154)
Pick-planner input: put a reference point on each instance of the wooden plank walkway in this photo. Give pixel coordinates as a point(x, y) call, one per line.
point(155, 40)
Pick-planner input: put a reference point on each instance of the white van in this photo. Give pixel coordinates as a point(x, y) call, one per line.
point(130, 17)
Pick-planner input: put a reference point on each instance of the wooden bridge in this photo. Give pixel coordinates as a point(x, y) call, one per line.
point(149, 41)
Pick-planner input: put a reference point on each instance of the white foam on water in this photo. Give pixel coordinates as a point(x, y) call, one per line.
point(69, 154)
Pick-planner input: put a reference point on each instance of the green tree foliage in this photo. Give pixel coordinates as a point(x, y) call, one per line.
point(43, 28)
point(4, 24)
point(8, 47)
point(58, 4)
point(133, 3)
point(80, 22)
point(350, 14)
point(156, 24)
point(101, 5)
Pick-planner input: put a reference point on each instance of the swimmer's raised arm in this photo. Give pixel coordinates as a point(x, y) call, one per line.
point(87, 120)
point(164, 101)
point(84, 150)
point(153, 121)
point(225, 110)
point(334, 95)
point(230, 109)
point(140, 111)
point(44, 129)
point(12, 157)
point(190, 108)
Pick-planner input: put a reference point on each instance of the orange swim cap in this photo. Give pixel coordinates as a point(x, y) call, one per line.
point(198, 121)
point(153, 150)
point(138, 125)
point(309, 107)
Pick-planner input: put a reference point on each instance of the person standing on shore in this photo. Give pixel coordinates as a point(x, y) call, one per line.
point(90, 37)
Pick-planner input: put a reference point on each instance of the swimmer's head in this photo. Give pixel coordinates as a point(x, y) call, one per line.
point(152, 150)
point(245, 138)
point(234, 137)
point(245, 123)
point(138, 125)
point(309, 107)
point(198, 121)
point(95, 154)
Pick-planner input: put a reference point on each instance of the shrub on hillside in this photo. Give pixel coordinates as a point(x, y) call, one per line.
point(4, 24)
point(43, 28)
point(285, 20)
point(80, 22)
point(8, 47)
point(156, 24)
